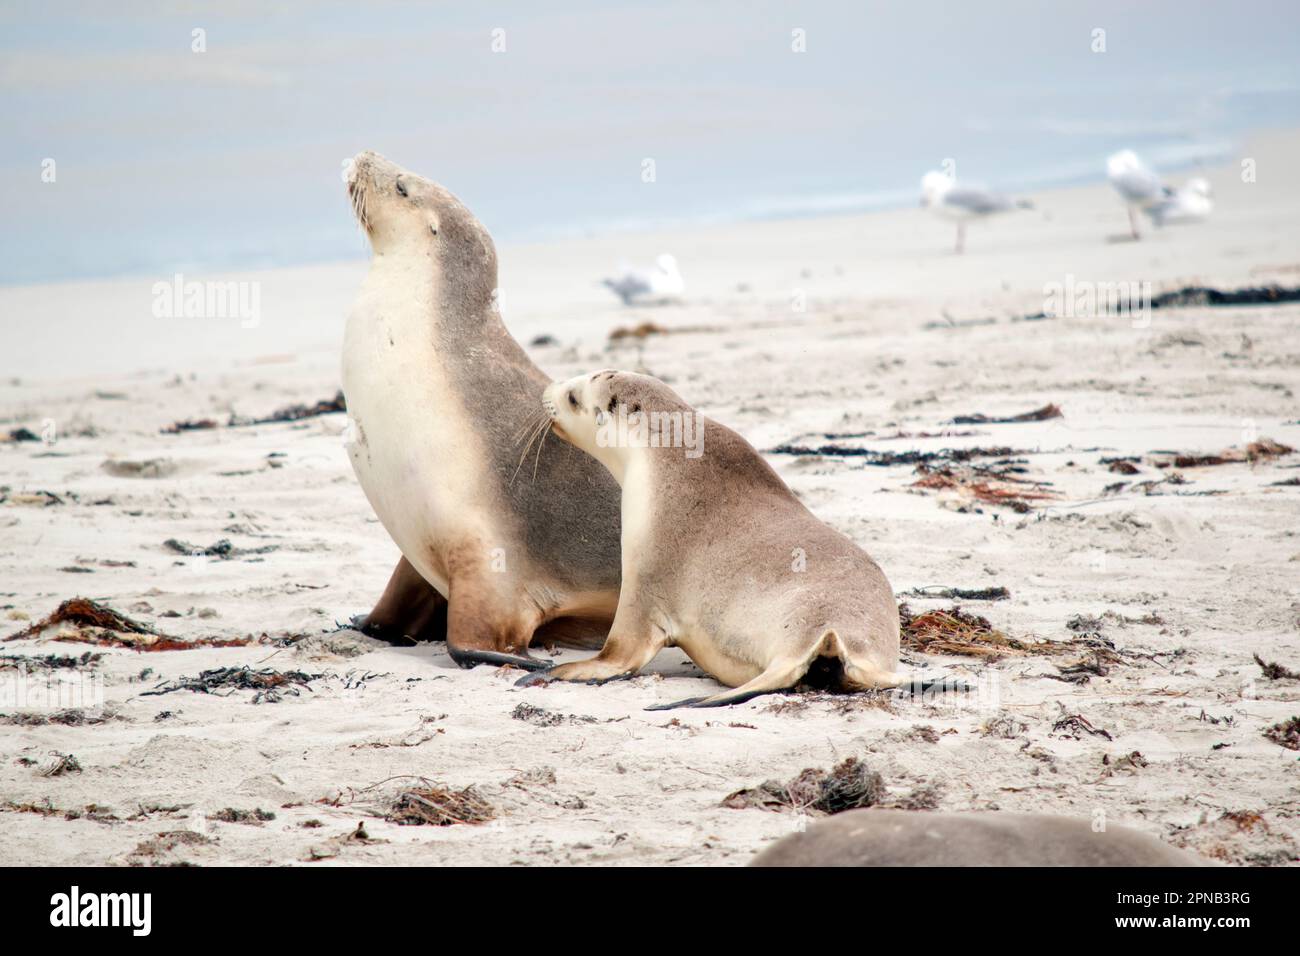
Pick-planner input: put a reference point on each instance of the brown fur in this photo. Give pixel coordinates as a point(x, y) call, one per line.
point(563, 580)
point(716, 570)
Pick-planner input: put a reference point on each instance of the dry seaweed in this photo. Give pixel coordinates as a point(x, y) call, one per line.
point(954, 631)
point(88, 622)
point(925, 797)
point(961, 594)
point(67, 718)
point(1192, 295)
point(255, 817)
point(43, 809)
point(435, 805)
point(270, 685)
point(1073, 726)
point(886, 459)
point(850, 785)
point(1051, 410)
point(1131, 762)
point(1205, 295)
point(188, 425)
point(1285, 734)
point(91, 811)
point(1262, 450)
point(295, 413)
point(1006, 727)
point(974, 482)
point(547, 718)
point(49, 662)
point(1097, 664)
point(1275, 671)
point(168, 841)
point(60, 764)
point(83, 612)
point(223, 549)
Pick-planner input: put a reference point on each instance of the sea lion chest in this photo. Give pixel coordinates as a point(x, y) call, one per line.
point(410, 438)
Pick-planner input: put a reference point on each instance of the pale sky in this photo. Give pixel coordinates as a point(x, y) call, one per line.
point(169, 159)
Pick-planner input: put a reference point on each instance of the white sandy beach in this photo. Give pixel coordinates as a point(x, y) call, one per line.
point(898, 335)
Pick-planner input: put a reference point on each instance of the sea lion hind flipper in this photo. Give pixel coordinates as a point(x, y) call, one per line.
point(781, 675)
point(626, 651)
point(688, 702)
point(537, 678)
point(469, 657)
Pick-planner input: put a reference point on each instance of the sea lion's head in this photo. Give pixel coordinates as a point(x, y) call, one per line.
point(608, 413)
point(407, 215)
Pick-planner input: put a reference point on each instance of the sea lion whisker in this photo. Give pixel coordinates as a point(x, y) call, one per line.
point(526, 434)
point(535, 430)
point(530, 422)
point(541, 441)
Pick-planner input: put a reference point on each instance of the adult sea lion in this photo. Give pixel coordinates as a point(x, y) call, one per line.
point(507, 534)
point(719, 556)
point(979, 838)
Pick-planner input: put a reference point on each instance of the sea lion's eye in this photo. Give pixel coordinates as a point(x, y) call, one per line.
point(401, 187)
point(572, 400)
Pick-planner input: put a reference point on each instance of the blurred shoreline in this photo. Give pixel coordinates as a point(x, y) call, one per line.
point(69, 329)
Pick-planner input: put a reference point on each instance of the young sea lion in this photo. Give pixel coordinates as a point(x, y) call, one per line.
point(719, 557)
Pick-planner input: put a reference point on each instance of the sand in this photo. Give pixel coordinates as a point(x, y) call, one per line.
point(789, 330)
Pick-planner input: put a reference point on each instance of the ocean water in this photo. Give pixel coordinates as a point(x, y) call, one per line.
point(211, 137)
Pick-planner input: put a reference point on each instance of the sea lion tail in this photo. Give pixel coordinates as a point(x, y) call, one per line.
point(779, 675)
point(860, 673)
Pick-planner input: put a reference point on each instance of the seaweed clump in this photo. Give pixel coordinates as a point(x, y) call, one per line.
point(432, 804)
point(850, 785)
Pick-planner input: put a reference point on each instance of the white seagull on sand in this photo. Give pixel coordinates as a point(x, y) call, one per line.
point(944, 197)
point(657, 284)
point(1137, 184)
point(1192, 202)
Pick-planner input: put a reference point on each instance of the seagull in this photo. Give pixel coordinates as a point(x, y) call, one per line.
point(941, 194)
point(661, 282)
point(1192, 203)
point(1137, 184)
